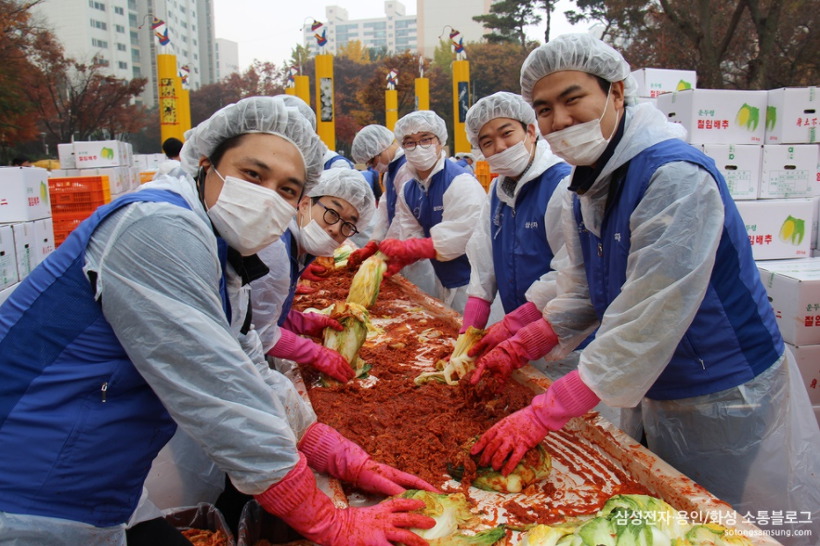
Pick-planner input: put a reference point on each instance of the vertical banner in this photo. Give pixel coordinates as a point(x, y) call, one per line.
point(461, 103)
point(391, 99)
point(302, 88)
point(422, 93)
point(169, 87)
point(325, 122)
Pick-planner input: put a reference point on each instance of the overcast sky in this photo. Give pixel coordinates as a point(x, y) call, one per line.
point(269, 29)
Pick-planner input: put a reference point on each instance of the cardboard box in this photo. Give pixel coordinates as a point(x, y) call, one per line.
point(657, 81)
point(23, 194)
point(808, 361)
point(65, 153)
point(793, 116)
point(99, 153)
point(718, 116)
point(6, 292)
point(24, 244)
point(43, 239)
point(789, 170)
point(119, 178)
point(8, 258)
point(815, 230)
point(739, 165)
point(778, 228)
point(793, 287)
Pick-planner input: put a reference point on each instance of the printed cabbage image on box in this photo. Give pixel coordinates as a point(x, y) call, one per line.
point(23, 194)
point(657, 81)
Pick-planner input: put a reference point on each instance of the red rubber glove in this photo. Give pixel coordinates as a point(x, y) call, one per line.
point(514, 435)
point(311, 324)
point(358, 256)
point(402, 253)
point(530, 343)
point(314, 272)
point(299, 503)
point(329, 452)
point(506, 328)
point(305, 351)
point(305, 289)
point(476, 313)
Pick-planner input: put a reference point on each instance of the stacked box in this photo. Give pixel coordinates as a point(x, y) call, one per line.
point(43, 239)
point(740, 166)
point(718, 116)
point(24, 194)
point(778, 228)
point(24, 244)
point(653, 82)
point(792, 116)
point(8, 258)
point(793, 287)
point(789, 170)
point(74, 199)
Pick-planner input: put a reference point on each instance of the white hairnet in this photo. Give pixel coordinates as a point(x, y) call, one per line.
point(498, 105)
point(304, 108)
point(350, 185)
point(421, 121)
point(267, 115)
point(581, 52)
point(370, 142)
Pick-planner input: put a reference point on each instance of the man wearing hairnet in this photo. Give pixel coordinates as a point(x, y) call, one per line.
point(436, 211)
point(519, 225)
point(659, 258)
point(376, 146)
point(124, 333)
point(331, 212)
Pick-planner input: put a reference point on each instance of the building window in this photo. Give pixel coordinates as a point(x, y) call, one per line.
point(136, 72)
point(99, 24)
point(132, 4)
point(135, 55)
point(102, 44)
point(96, 5)
point(102, 61)
point(123, 65)
point(122, 47)
point(118, 10)
point(132, 19)
point(119, 28)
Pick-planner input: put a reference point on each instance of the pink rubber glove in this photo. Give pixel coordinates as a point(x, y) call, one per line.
point(314, 272)
point(506, 328)
point(530, 343)
point(358, 256)
point(476, 313)
point(403, 253)
point(305, 351)
point(311, 324)
point(514, 435)
point(299, 503)
point(329, 452)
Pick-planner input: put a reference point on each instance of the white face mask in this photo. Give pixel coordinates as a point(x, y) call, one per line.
point(316, 241)
point(421, 159)
point(512, 161)
point(381, 166)
point(581, 144)
point(248, 216)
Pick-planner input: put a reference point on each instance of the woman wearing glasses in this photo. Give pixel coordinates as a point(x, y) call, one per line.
point(436, 211)
point(335, 209)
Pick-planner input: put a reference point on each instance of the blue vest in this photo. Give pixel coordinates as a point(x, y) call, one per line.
point(521, 252)
point(336, 158)
point(390, 187)
point(295, 272)
point(79, 427)
point(733, 336)
point(428, 209)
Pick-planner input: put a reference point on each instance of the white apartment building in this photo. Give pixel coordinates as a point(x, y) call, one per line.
point(227, 58)
point(400, 32)
point(395, 31)
point(118, 34)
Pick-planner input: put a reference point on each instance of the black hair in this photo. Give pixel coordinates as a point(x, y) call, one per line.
point(172, 147)
point(18, 161)
point(604, 84)
point(224, 146)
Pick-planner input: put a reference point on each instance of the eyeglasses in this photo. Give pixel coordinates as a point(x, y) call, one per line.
point(425, 143)
point(331, 216)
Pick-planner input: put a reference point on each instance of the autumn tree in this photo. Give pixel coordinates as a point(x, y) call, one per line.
point(496, 67)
